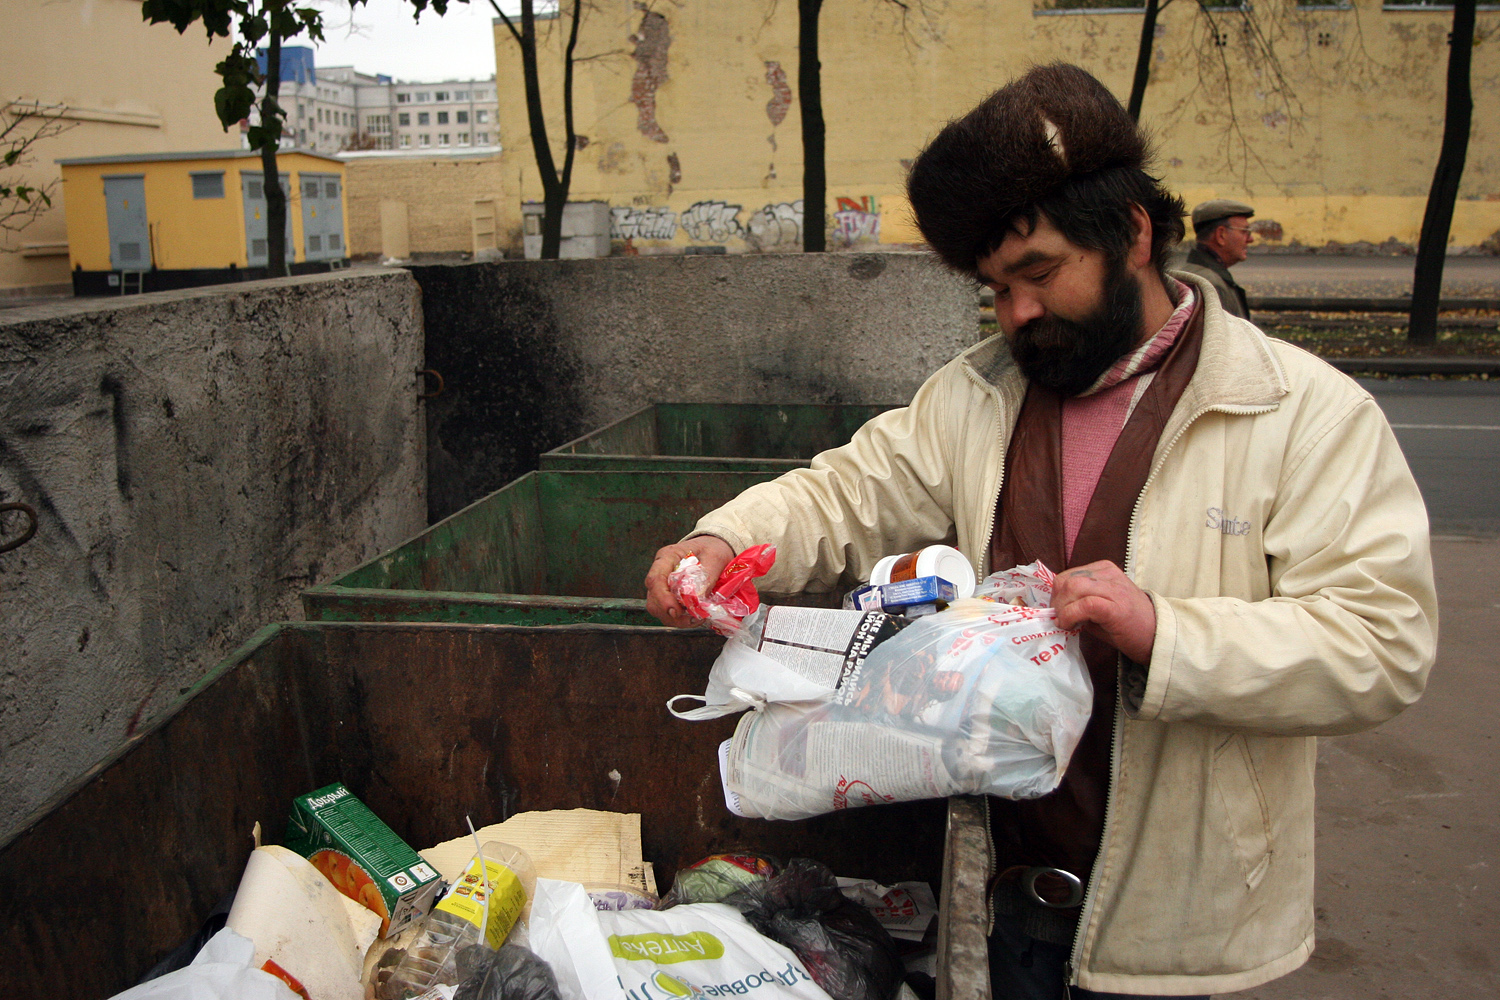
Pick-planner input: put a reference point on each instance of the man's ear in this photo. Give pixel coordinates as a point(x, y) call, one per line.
point(1141, 236)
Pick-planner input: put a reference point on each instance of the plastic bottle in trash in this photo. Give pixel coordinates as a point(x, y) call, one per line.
point(476, 911)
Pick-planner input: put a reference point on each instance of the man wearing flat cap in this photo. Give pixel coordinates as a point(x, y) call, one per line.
point(1221, 229)
point(1243, 546)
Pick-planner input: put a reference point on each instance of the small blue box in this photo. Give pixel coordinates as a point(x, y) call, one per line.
point(893, 597)
point(922, 590)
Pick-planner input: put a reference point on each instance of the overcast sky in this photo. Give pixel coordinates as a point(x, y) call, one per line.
point(381, 37)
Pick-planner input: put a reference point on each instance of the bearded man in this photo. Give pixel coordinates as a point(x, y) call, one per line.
point(1248, 552)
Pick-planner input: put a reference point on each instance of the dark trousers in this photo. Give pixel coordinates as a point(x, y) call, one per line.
point(1023, 968)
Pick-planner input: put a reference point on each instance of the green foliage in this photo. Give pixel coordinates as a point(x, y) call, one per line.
point(21, 128)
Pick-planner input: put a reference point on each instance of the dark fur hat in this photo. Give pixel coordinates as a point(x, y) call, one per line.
point(1016, 150)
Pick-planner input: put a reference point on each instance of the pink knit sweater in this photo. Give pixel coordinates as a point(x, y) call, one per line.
point(1092, 421)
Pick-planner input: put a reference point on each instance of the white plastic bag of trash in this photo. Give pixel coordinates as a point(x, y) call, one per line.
point(698, 949)
point(988, 697)
point(221, 970)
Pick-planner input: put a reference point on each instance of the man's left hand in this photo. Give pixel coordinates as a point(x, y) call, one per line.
point(1101, 599)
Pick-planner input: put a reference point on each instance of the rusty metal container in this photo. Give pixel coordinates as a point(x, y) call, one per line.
point(426, 723)
point(710, 437)
point(550, 548)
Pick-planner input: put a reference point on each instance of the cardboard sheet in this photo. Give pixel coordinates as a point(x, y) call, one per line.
point(571, 845)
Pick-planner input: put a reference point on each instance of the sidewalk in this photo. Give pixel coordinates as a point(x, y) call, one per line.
point(1408, 843)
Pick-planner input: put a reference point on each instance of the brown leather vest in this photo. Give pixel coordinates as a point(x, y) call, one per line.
point(1063, 828)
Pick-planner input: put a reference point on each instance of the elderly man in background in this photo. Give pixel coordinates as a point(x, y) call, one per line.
point(1222, 230)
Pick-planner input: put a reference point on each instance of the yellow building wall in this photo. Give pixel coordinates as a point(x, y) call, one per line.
point(1331, 130)
point(186, 232)
point(439, 193)
point(129, 87)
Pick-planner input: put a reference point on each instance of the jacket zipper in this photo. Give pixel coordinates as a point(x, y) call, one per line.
point(1070, 967)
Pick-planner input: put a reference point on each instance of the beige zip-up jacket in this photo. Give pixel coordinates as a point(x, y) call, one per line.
point(1285, 546)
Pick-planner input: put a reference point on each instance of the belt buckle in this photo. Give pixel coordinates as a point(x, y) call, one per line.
point(1074, 885)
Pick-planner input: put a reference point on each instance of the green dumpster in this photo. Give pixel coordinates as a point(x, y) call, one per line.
point(550, 548)
point(715, 436)
point(427, 724)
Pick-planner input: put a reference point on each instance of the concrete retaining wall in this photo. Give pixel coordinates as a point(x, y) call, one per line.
point(196, 459)
point(538, 352)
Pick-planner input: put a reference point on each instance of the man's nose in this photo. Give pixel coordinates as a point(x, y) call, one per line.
point(1023, 309)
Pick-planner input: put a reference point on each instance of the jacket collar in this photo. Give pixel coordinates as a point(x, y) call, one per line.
point(1235, 369)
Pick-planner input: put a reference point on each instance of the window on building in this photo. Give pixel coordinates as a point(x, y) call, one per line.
point(481, 116)
point(310, 188)
point(461, 117)
point(404, 118)
point(442, 138)
point(424, 141)
point(440, 97)
point(302, 137)
point(405, 142)
point(423, 118)
point(423, 97)
point(330, 189)
point(378, 124)
point(208, 184)
point(482, 138)
point(460, 95)
point(403, 98)
point(442, 117)
point(463, 138)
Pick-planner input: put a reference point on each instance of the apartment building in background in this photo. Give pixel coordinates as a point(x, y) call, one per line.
point(335, 109)
point(117, 86)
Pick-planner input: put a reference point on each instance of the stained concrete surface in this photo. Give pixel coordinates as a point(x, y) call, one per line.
point(196, 458)
point(1408, 840)
point(535, 353)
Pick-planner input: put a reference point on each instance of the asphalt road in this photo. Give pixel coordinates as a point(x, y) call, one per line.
point(1376, 277)
point(1408, 836)
point(1450, 433)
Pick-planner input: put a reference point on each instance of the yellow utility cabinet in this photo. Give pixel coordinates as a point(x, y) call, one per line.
point(175, 220)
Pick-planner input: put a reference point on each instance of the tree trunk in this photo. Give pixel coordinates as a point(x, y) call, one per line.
point(1432, 247)
point(814, 133)
point(1143, 60)
point(553, 195)
point(276, 263)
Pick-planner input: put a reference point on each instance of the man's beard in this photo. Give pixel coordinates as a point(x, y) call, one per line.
point(1068, 356)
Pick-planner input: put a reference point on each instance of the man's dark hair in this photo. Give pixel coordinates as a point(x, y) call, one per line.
point(1052, 143)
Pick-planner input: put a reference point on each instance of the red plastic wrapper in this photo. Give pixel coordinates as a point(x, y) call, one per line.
point(733, 595)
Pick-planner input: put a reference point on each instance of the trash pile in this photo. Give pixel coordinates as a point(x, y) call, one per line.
point(545, 906)
point(921, 687)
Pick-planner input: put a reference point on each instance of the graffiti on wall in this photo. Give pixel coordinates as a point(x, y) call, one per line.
point(856, 220)
point(712, 222)
point(627, 223)
point(775, 226)
point(651, 43)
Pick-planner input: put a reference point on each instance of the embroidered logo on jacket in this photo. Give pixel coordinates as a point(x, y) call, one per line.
point(1226, 524)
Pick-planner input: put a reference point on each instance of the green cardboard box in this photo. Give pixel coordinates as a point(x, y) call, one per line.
point(362, 857)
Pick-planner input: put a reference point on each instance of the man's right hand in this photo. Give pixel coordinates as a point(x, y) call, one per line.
point(713, 554)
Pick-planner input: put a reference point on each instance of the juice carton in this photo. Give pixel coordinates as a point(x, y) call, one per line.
point(362, 857)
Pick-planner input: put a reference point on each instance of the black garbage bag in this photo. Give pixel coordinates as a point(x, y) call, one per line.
point(843, 946)
point(512, 973)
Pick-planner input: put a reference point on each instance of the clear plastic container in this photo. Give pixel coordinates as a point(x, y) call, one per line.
point(463, 920)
